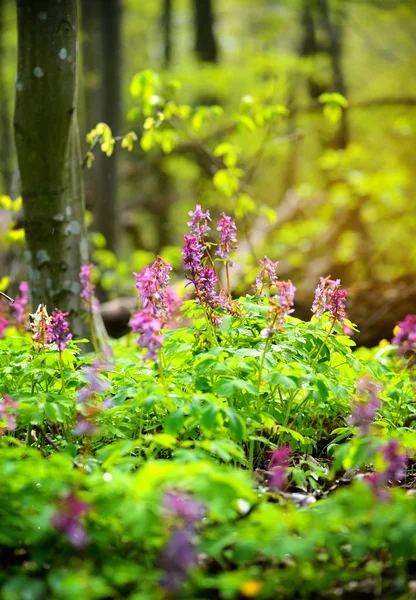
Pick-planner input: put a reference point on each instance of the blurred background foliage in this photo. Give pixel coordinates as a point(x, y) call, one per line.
point(325, 187)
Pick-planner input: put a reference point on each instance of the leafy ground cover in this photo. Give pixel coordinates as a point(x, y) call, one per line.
point(223, 449)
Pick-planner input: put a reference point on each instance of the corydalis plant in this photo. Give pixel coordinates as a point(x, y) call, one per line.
point(58, 333)
point(88, 298)
point(330, 298)
point(227, 244)
point(8, 414)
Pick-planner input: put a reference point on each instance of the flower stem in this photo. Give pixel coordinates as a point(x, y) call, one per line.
point(92, 329)
point(227, 272)
point(266, 345)
point(61, 368)
point(324, 342)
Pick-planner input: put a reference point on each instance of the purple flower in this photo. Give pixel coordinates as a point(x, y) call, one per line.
point(267, 275)
point(228, 239)
point(198, 225)
point(151, 284)
point(179, 554)
point(394, 471)
point(205, 284)
point(8, 413)
point(58, 330)
point(192, 254)
point(364, 410)
point(84, 427)
point(21, 303)
point(87, 287)
point(277, 468)
point(68, 519)
point(180, 504)
point(280, 306)
point(96, 384)
point(405, 335)
point(4, 323)
point(329, 297)
point(173, 305)
point(148, 327)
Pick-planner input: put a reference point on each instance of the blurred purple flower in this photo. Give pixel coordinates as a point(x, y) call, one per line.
point(395, 470)
point(68, 519)
point(277, 469)
point(58, 330)
point(148, 327)
point(192, 254)
point(87, 287)
point(96, 384)
point(8, 413)
point(4, 323)
point(228, 238)
point(280, 306)
point(405, 335)
point(179, 554)
point(21, 303)
point(366, 406)
point(267, 275)
point(198, 225)
point(84, 427)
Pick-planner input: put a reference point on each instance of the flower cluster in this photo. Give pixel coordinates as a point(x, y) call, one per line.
point(4, 323)
point(366, 406)
point(149, 328)
point(277, 469)
point(40, 326)
point(331, 298)
point(228, 238)
point(88, 288)
point(395, 468)
point(198, 225)
point(68, 519)
point(152, 286)
point(281, 305)
point(21, 303)
point(179, 554)
point(8, 413)
point(58, 330)
point(405, 335)
point(267, 276)
point(14, 312)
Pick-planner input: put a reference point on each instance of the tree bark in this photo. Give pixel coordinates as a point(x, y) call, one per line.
point(47, 143)
point(206, 47)
point(167, 33)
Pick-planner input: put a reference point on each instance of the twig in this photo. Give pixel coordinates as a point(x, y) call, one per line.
point(50, 441)
point(7, 297)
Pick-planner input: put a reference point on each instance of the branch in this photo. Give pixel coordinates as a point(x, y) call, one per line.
point(7, 297)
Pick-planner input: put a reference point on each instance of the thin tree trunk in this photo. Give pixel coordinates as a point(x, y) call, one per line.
point(167, 33)
point(46, 134)
point(6, 144)
point(206, 47)
point(106, 202)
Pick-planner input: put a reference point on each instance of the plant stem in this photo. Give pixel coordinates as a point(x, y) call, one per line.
point(324, 342)
point(265, 351)
point(61, 368)
point(227, 272)
point(92, 329)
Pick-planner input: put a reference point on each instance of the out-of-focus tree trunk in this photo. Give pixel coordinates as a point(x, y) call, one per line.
point(334, 35)
point(48, 152)
point(206, 47)
point(91, 85)
point(6, 144)
point(106, 203)
point(167, 32)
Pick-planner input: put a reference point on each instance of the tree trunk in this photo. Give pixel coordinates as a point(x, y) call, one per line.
point(47, 143)
point(205, 43)
point(105, 203)
point(167, 33)
point(6, 145)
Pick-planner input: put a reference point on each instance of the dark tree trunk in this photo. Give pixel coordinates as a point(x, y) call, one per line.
point(48, 152)
point(205, 43)
point(167, 33)
point(334, 35)
point(6, 144)
point(105, 202)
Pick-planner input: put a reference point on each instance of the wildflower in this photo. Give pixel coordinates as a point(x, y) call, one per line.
point(394, 471)
point(278, 468)
point(329, 297)
point(58, 330)
point(364, 410)
point(228, 239)
point(84, 426)
point(87, 287)
point(267, 275)
point(8, 413)
point(192, 254)
point(151, 284)
point(21, 302)
point(198, 225)
point(148, 327)
point(251, 588)
point(96, 384)
point(205, 284)
point(280, 306)
point(179, 554)
point(405, 335)
point(40, 325)
point(173, 305)
point(68, 519)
